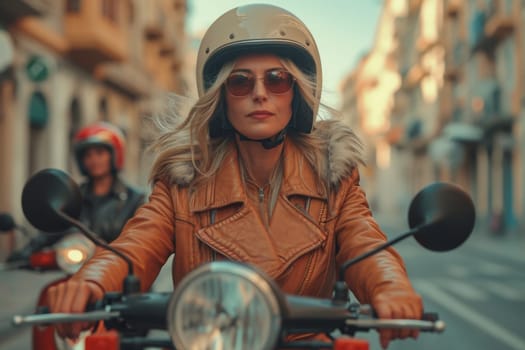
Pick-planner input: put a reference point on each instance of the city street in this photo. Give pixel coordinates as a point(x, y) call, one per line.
point(478, 290)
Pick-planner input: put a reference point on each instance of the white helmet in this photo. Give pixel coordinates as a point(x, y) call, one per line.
point(261, 28)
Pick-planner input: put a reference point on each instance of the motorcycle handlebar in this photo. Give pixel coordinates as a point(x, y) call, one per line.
point(148, 311)
point(139, 311)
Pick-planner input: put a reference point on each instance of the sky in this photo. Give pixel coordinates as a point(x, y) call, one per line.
point(343, 29)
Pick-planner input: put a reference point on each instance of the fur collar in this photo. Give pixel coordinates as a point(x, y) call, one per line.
point(344, 153)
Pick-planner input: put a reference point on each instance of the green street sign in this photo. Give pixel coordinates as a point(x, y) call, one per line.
point(37, 69)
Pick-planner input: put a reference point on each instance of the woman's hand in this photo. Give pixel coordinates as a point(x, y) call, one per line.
point(397, 304)
point(73, 297)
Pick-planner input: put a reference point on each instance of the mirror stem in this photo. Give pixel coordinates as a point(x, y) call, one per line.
point(93, 238)
point(349, 263)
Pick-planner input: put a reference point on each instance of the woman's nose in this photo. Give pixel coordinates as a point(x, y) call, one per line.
point(259, 90)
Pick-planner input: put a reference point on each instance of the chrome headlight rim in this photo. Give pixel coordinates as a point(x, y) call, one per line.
point(272, 296)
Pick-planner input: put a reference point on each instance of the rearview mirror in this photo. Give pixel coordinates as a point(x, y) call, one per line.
point(445, 214)
point(45, 194)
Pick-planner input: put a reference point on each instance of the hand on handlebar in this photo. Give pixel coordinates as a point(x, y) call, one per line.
point(73, 297)
point(400, 304)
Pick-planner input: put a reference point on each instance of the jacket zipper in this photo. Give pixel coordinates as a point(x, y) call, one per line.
point(263, 211)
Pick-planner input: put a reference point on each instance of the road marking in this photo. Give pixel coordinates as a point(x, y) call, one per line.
point(504, 290)
point(464, 290)
point(458, 271)
point(514, 252)
point(493, 269)
point(429, 290)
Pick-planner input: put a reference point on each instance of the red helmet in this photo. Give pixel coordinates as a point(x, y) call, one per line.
point(101, 134)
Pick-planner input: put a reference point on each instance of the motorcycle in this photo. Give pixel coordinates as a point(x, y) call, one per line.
point(232, 305)
point(51, 253)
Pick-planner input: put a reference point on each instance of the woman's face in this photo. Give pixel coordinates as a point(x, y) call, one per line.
point(257, 112)
point(97, 161)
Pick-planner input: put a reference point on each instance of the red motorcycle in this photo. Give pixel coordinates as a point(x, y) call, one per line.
point(231, 305)
point(47, 253)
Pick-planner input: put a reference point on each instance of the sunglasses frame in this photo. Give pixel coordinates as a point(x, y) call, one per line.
point(253, 78)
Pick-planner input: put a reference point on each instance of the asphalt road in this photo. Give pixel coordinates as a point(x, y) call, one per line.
point(477, 289)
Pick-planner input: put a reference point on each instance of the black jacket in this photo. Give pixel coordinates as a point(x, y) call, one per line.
point(104, 215)
point(107, 215)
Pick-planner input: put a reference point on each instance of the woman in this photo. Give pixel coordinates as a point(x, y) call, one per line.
point(250, 176)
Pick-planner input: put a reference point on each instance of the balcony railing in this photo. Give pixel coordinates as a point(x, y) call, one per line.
point(486, 108)
point(489, 27)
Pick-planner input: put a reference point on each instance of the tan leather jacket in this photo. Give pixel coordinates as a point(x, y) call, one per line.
point(300, 250)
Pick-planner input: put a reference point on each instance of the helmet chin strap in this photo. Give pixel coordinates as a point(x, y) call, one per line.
point(268, 143)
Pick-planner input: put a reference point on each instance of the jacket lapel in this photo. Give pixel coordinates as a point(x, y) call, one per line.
point(242, 236)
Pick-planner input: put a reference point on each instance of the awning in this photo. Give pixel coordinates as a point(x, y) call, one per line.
point(446, 151)
point(463, 132)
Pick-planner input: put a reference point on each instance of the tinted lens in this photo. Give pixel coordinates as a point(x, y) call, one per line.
point(240, 83)
point(276, 81)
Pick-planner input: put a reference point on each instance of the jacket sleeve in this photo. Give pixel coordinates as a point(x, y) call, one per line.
point(357, 233)
point(148, 239)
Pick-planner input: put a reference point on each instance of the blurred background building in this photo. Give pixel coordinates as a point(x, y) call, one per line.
point(441, 97)
point(67, 63)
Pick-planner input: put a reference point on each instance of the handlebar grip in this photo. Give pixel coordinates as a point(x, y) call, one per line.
point(367, 309)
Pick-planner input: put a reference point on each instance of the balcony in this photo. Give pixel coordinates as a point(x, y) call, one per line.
point(499, 27)
point(486, 110)
point(94, 35)
point(14, 9)
point(126, 78)
point(490, 28)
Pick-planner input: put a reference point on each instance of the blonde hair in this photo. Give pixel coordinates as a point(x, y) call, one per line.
point(185, 139)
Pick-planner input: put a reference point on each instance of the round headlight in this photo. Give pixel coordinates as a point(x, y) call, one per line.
point(224, 305)
point(73, 251)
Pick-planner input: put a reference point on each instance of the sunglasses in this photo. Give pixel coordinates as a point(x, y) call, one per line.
point(276, 81)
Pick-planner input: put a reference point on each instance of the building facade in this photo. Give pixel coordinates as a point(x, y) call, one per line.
point(67, 63)
point(457, 114)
